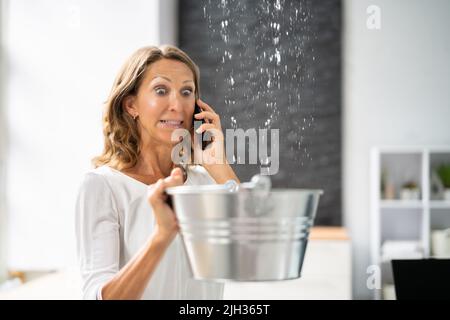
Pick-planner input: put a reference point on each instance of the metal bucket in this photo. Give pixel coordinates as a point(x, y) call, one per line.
point(246, 234)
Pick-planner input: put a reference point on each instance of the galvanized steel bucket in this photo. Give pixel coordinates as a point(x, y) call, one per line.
point(247, 232)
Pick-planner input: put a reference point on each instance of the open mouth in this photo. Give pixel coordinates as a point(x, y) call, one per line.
point(171, 124)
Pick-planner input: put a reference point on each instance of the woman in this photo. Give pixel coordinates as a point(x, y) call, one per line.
point(127, 238)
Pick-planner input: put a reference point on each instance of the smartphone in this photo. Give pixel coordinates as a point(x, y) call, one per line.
point(197, 109)
point(197, 123)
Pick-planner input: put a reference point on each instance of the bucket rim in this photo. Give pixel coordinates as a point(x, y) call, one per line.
point(206, 189)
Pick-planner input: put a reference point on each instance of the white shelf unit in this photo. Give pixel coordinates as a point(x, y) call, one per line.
point(405, 220)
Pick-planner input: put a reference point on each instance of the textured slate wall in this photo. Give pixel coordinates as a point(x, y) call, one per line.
point(275, 64)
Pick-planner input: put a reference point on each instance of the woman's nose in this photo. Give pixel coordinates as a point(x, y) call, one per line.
point(175, 104)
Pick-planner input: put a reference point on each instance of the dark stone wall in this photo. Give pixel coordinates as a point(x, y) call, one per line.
point(275, 65)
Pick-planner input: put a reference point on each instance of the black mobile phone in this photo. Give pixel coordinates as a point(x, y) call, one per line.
point(197, 123)
point(197, 109)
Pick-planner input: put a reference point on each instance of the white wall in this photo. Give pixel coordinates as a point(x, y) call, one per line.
point(3, 226)
point(61, 59)
point(396, 92)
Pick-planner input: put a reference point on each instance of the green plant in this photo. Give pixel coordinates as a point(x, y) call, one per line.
point(410, 185)
point(383, 180)
point(444, 174)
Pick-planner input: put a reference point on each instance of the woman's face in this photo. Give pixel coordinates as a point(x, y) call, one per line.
point(165, 101)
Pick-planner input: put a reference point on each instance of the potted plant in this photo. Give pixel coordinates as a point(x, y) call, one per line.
point(444, 174)
point(410, 191)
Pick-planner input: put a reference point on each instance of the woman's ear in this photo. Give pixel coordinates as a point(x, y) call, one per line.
point(130, 106)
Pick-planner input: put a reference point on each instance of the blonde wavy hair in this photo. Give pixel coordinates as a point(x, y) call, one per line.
point(120, 130)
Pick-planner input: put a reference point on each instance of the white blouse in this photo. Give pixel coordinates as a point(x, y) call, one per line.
point(114, 220)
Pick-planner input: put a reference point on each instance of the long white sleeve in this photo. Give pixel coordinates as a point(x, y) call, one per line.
point(97, 234)
point(114, 221)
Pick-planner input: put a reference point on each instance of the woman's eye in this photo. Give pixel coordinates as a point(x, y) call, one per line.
point(160, 91)
point(187, 92)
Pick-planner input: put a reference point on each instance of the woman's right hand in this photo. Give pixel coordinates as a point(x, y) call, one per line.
point(166, 221)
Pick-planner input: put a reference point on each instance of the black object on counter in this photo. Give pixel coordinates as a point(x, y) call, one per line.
point(422, 279)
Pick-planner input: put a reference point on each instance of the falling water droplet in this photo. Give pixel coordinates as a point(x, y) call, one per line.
point(278, 5)
point(231, 80)
point(278, 56)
